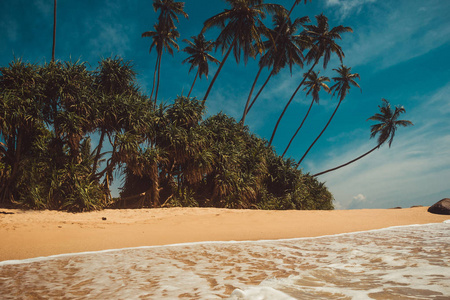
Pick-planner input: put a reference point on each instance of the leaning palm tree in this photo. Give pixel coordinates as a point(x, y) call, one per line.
point(199, 56)
point(169, 10)
point(324, 44)
point(342, 86)
point(241, 30)
point(386, 129)
point(313, 86)
point(163, 38)
point(286, 50)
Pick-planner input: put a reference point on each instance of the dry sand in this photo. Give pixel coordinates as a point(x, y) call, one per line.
point(28, 234)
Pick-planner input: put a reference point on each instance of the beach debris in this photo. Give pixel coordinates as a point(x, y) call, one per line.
point(104, 218)
point(441, 207)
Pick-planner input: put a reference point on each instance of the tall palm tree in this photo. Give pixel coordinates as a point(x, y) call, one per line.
point(241, 30)
point(54, 31)
point(169, 10)
point(342, 86)
point(199, 56)
point(263, 64)
point(286, 50)
point(313, 87)
point(163, 38)
point(385, 130)
point(323, 45)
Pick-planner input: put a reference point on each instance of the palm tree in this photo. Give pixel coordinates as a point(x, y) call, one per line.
point(324, 44)
point(54, 31)
point(342, 86)
point(241, 29)
point(162, 37)
point(313, 86)
point(386, 129)
point(169, 11)
point(287, 50)
point(199, 56)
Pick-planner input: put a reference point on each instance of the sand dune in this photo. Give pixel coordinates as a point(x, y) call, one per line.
point(28, 234)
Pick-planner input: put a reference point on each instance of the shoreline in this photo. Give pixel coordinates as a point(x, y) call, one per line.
point(32, 234)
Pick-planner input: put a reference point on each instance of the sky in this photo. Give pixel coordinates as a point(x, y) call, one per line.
point(400, 49)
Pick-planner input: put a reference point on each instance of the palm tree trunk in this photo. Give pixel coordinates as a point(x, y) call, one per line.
point(196, 75)
point(54, 31)
point(97, 154)
point(323, 130)
point(298, 129)
point(250, 96)
point(154, 77)
point(159, 76)
point(352, 161)
point(289, 102)
point(218, 71)
point(260, 90)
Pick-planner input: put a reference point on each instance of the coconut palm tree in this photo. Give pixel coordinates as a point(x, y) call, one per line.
point(385, 130)
point(324, 44)
point(169, 10)
point(199, 56)
point(342, 86)
point(241, 30)
point(313, 87)
point(54, 31)
point(163, 38)
point(287, 50)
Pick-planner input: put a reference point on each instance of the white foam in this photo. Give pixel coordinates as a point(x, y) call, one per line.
point(259, 293)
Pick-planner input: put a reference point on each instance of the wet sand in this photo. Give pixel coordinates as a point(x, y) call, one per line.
point(29, 234)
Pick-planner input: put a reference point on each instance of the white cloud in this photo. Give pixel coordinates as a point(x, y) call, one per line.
point(359, 198)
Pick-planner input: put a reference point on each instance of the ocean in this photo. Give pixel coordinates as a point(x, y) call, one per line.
point(405, 262)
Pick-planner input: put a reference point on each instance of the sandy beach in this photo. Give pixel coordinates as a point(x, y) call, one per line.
point(28, 234)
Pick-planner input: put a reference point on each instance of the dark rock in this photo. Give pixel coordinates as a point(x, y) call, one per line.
point(104, 219)
point(441, 207)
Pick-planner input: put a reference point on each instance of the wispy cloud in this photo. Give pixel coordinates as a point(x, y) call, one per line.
point(347, 7)
point(391, 36)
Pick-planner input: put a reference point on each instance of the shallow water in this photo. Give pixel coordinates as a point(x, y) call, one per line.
point(408, 262)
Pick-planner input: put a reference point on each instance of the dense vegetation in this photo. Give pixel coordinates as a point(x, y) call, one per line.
point(168, 154)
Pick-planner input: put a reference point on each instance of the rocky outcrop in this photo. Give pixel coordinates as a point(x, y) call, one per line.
point(441, 207)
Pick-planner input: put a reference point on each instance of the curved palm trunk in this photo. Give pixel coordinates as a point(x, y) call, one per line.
point(352, 161)
point(54, 31)
point(159, 76)
point(289, 102)
point(196, 75)
point(298, 129)
point(323, 130)
point(218, 71)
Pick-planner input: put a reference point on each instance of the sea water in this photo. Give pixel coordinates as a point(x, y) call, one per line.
point(407, 262)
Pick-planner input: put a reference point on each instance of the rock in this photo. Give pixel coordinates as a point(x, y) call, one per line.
point(104, 218)
point(441, 207)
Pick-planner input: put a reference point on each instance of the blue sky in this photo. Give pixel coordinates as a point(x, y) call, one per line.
point(400, 48)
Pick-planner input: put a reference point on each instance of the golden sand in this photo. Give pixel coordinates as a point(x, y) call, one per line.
point(28, 234)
